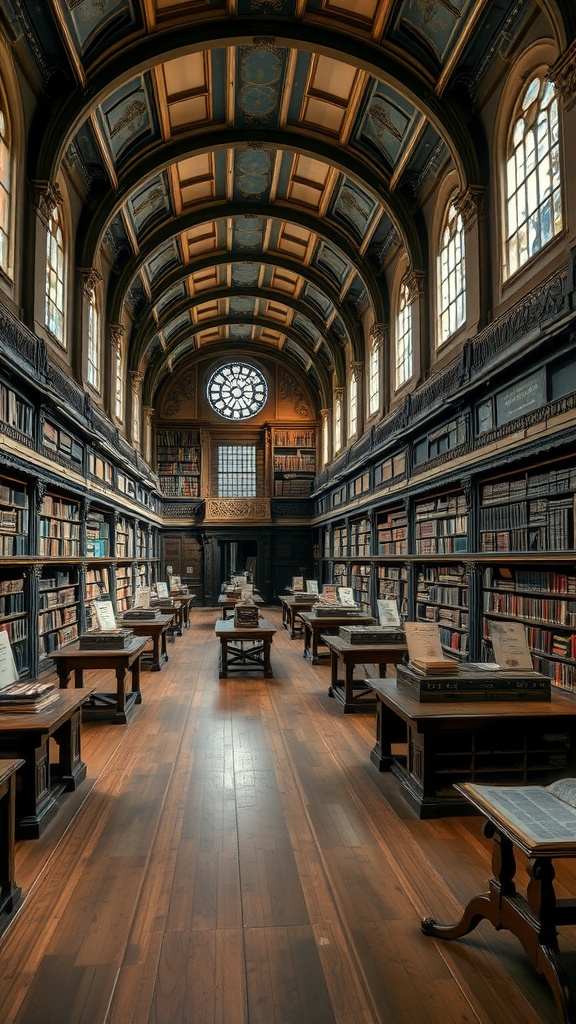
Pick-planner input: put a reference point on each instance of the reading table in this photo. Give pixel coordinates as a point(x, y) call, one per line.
point(40, 782)
point(353, 694)
point(291, 608)
point(156, 630)
point(10, 893)
point(429, 747)
point(244, 647)
point(113, 707)
point(185, 602)
point(317, 625)
point(532, 919)
point(228, 603)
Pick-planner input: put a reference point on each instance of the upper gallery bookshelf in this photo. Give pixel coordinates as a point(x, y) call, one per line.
point(532, 511)
point(14, 618)
point(441, 525)
point(178, 462)
point(14, 521)
point(59, 527)
point(294, 457)
point(15, 411)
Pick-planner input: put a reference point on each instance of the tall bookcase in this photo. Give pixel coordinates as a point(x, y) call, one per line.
point(294, 461)
point(59, 527)
point(97, 535)
point(14, 519)
point(178, 462)
point(58, 609)
point(442, 597)
point(14, 615)
point(532, 511)
point(441, 525)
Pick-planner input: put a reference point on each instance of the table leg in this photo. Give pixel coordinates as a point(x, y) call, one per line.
point(63, 674)
point(163, 651)
point(314, 647)
point(333, 674)
point(78, 678)
point(267, 664)
point(121, 688)
point(223, 658)
point(348, 685)
point(307, 639)
point(70, 768)
point(135, 670)
point(156, 653)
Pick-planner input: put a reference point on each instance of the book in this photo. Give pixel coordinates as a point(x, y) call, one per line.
point(541, 819)
point(510, 646)
point(346, 597)
point(425, 649)
point(104, 611)
point(312, 587)
point(8, 670)
point(29, 707)
point(329, 595)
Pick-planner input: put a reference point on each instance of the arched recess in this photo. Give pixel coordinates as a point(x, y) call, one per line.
point(413, 83)
point(167, 231)
point(358, 169)
point(154, 372)
point(198, 370)
point(148, 328)
point(11, 104)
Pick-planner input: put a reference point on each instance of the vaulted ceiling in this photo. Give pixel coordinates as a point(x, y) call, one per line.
point(247, 167)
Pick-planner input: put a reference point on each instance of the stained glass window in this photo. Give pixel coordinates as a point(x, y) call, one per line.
point(533, 196)
point(451, 276)
point(237, 391)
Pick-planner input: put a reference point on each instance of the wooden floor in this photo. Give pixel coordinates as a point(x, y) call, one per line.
point(234, 857)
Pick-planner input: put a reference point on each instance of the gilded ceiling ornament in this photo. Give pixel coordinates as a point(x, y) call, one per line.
point(183, 391)
point(291, 391)
point(378, 335)
point(131, 118)
point(352, 204)
point(46, 196)
point(429, 9)
point(154, 196)
point(563, 75)
point(100, 5)
point(382, 122)
point(89, 279)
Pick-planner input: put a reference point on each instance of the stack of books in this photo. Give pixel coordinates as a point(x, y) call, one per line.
point(27, 697)
point(106, 639)
point(139, 614)
point(435, 666)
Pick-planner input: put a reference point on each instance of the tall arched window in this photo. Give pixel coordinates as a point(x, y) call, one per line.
point(94, 348)
point(54, 314)
point(404, 346)
point(374, 375)
point(533, 197)
point(118, 383)
point(352, 404)
point(451, 276)
point(4, 193)
point(338, 400)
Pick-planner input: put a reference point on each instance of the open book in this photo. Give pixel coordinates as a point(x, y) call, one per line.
point(540, 819)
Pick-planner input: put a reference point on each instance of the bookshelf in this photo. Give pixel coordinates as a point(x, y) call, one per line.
point(142, 578)
point(392, 532)
point(294, 461)
point(360, 537)
point(141, 542)
point(97, 535)
point(14, 520)
point(97, 581)
point(533, 511)
point(59, 527)
point(14, 618)
point(126, 485)
point(442, 597)
point(340, 574)
point(392, 585)
point(543, 598)
point(340, 541)
point(178, 462)
point(124, 591)
point(124, 539)
point(57, 441)
point(15, 412)
point(361, 583)
point(441, 525)
point(58, 609)
point(100, 469)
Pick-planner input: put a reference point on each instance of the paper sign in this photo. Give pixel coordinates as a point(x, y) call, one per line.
point(510, 646)
point(142, 599)
point(105, 614)
point(8, 670)
point(312, 587)
point(297, 583)
point(388, 613)
point(162, 589)
point(346, 597)
point(175, 583)
point(423, 639)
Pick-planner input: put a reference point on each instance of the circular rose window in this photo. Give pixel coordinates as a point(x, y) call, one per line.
point(237, 391)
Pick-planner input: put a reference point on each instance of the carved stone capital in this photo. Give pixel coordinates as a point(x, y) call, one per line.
point(339, 394)
point(149, 414)
point(563, 75)
point(378, 335)
point(325, 414)
point(117, 333)
point(415, 281)
point(136, 379)
point(46, 196)
point(356, 370)
point(34, 572)
point(89, 279)
point(471, 567)
point(470, 204)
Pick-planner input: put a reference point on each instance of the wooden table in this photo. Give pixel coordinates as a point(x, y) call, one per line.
point(113, 707)
point(228, 603)
point(357, 695)
point(156, 630)
point(174, 609)
point(316, 625)
point(185, 602)
point(235, 656)
point(533, 918)
point(291, 608)
point(10, 893)
point(41, 782)
point(442, 744)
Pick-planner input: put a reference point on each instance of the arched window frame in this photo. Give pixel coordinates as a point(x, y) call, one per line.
point(119, 382)
point(403, 337)
point(338, 420)
point(451, 275)
point(374, 374)
point(352, 404)
point(5, 188)
point(533, 213)
point(55, 285)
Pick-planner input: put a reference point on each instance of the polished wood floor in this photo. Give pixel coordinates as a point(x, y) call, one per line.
point(234, 857)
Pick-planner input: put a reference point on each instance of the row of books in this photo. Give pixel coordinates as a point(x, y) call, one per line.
point(295, 462)
point(57, 617)
point(16, 629)
point(59, 528)
point(170, 468)
point(180, 487)
point(59, 509)
point(552, 482)
point(442, 527)
point(443, 594)
point(295, 438)
point(452, 616)
point(454, 504)
point(12, 604)
point(13, 496)
point(15, 411)
point(441, 545)
point(55, 547)
point(553, 609)
point(13, 520)
point(50, 642)
point(13, 544)
point(295, 487)
point(179, 453)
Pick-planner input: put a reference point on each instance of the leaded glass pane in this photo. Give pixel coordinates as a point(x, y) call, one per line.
point(237, 391)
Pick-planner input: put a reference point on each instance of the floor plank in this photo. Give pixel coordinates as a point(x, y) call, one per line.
point(233, 856)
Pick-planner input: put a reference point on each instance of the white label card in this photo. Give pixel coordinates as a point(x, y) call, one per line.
point(105, 614)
